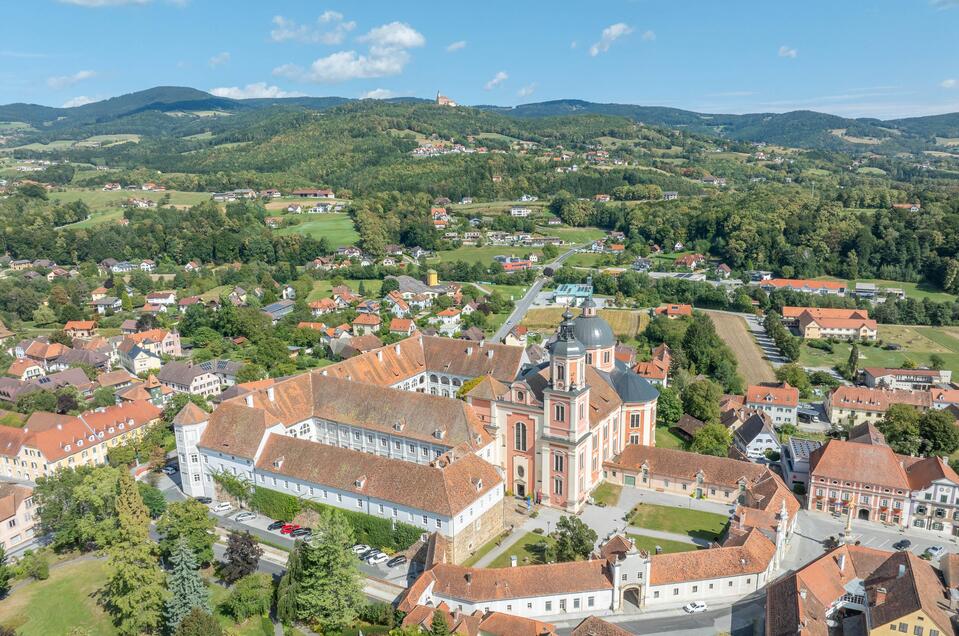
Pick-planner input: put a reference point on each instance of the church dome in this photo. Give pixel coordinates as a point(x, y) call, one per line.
point(593, 332)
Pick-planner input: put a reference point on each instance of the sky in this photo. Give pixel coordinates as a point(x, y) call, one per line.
point(855, 58)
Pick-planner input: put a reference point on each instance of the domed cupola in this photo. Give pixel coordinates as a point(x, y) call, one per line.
point(596, 335)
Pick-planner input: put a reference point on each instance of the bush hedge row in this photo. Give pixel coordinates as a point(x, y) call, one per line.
point(374, 531)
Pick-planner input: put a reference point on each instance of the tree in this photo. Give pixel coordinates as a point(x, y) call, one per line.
point(242, 556)
point(389, 285)
point(575, 540)
point(439, 626)
point(287, 608)
point(134, 592)
point(852, 365)
point(189, 519)
point(153, 499)
point(35, 565)
point(937, 362)
point(43, 315)
point(669, 407)
point(186, 589)
point(330, 592)
point(5, 573)
point(199, 623)
point(796, 376)
point(939, 433)
point(900, 426)
point(251, 596)
point(701, 400)
point(711, 439)
point(78, 507)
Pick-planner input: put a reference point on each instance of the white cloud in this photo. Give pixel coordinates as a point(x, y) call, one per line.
point(785, 51)
point(527, 90)
point(388, 54)
point(256, 90)
point(609, 35)
point(329, 29)
point(498, 79)
point(378, 93)
point(944, 4)
point(949, 83)
point(220, 58)
point(456, 46)
point(649, 36)
point(80, 100)
point(62, 81)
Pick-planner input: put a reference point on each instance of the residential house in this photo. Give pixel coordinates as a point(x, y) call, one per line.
point(656, 370)
point(905, 379)
point(779, 401)
point(162, 298)
point(674, 311)
point(137, 359)
point(185, 377)
point(806, 286)
point(322, 306)
point(690, 261)
point(25, 369)
point(670, 195)
point(519, 211)
point(815, 323)
point(277, 310)
point(18, 518)
point(365, 324)
point(854, 405)
point(756, 437)
point(107, 305)
point(723, 270)
point(449, 320)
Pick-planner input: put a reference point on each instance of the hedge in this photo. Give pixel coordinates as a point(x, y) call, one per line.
point(367, 529)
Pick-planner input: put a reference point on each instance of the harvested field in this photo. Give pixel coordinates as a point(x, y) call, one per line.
point(625, 323)
point(752, 366)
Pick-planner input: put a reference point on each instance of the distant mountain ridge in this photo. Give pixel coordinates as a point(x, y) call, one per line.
point(802, 128)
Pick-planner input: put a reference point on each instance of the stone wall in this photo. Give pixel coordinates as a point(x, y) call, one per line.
point(471, 539)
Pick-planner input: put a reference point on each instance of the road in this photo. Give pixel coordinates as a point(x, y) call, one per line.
point(524, 303)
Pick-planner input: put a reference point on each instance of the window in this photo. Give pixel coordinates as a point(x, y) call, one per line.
point(560, 413)
point(917, 630)
point(562, 604)
point(558, 463)
point(557, 486)
point(426, 520)
point(903, 627)
point(591, 601)
point(634, 420)
point(560, 372)
point(695, 588)
point(655, 594)
point(575, 603)
point(675, 591)
point(519, 433)
point(359, 503)
point(549, 606)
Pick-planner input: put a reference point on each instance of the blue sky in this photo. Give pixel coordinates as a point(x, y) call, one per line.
point(875, 58)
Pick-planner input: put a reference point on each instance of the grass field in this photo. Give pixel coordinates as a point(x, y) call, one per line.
point(67, 600)
point(607, 493)
point(576, 235)
point(523, 548)
point(912, 290)
point(694, 523)
point(483, 255)
point(918, 344)
point(752, 365)
point(649, 544)
point(588, 259)
point(665, 438)
point(625, 323)
point(338, 229)
point(105, 206)
point(322, 288)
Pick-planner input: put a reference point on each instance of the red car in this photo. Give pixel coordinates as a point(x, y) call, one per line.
point(288, 528)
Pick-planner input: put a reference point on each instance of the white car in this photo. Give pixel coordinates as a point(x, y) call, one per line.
point(695, 607)
point(936, 551)
point(360, 548)
point(223, 506)
point(168, 470)
point(246, 515)
point(379, 557)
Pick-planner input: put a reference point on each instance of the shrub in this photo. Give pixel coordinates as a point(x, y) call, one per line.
point(799, 489)
point(273, 504)
point(251, 596)
point(35, 565)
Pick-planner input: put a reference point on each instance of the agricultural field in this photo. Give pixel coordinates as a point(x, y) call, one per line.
point(483, 255)
point(918, 344)
point(284, 202)
point(751, 364)
point(626, 323)
point(338, 229)
point(105, 206)
point(322, 288)
point(573, 235)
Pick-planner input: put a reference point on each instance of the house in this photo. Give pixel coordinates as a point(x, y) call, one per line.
point(294, 208)
point(756, 437)
point(687, 426)
point(517, 336)
point(670, 195)
point(674, 311)
point(273, 221)
point(191, 266)
point(277, 310)
point(25, 369)
point(854, 405)
point(160, 341)
point(18, 518)
point(369, 307)
point(187, 302)
point(816, 323)
point(779, 401)
point(365, 324)
point(185, 377)
point(806, 286)
point(129, 326)
point(80, 328)
point(449, 320)
point(520, 212)
point(107, 305)
point(912, 207)
point(322, 306)
point(396, 304)
point(794, 461)
point(310, 193)
point(690, 261)
point(137, 359)
point(287, 292)
point(656, 370)
point(402, 327)
point(161, 298)
point(572, 294)
point(272, 193)
point(723, 270)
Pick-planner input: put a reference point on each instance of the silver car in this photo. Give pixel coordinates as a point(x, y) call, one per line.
point(246, 515)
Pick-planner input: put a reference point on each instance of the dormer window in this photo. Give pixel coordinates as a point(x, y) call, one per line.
point(79, 443)
point(111, 430)
point(121, 426)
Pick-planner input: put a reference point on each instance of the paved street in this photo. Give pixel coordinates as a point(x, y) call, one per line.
point(524, 303)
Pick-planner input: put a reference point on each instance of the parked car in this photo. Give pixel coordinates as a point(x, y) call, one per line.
point(397, 560)
point(695, 607)
point(204, 500)
point(276, 525)
point(376, 559)
point(290, 527)
point(246, 515)
point(223, 506)
point(905, 544)
point(168, 470)
point(360, 548)
point(301, 532)
point(935, 552)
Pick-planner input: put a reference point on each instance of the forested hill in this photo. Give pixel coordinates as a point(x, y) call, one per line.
point(180, 110)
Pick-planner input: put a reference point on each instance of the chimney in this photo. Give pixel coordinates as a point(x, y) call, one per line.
point(512, 560)
point(802, 594)
point(270, 394)
point(489, 354)
point(842, 562)
point(396, 349)
point(379, 355)
point(469, 578)
point(902, 571)
point(469, 351)
point(880, 595)
point(249, 400)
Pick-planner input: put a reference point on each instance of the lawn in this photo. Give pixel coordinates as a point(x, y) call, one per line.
point(509, 292)
point(588, 259)
point(67, 600)
point(607, 494)
point(105, 206)
point(625, 323)
point(485, 549)
point(524, 550)
point(336, 228)
point(694, 523)
point(322, 288)
point(575, 235)
point(483, 255)
point(665, 438)
point(918, 344)
point(649, 544)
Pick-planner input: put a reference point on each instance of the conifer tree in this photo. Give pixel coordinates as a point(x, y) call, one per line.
point(186, 589)
point(330, 592)
point(289, 587)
